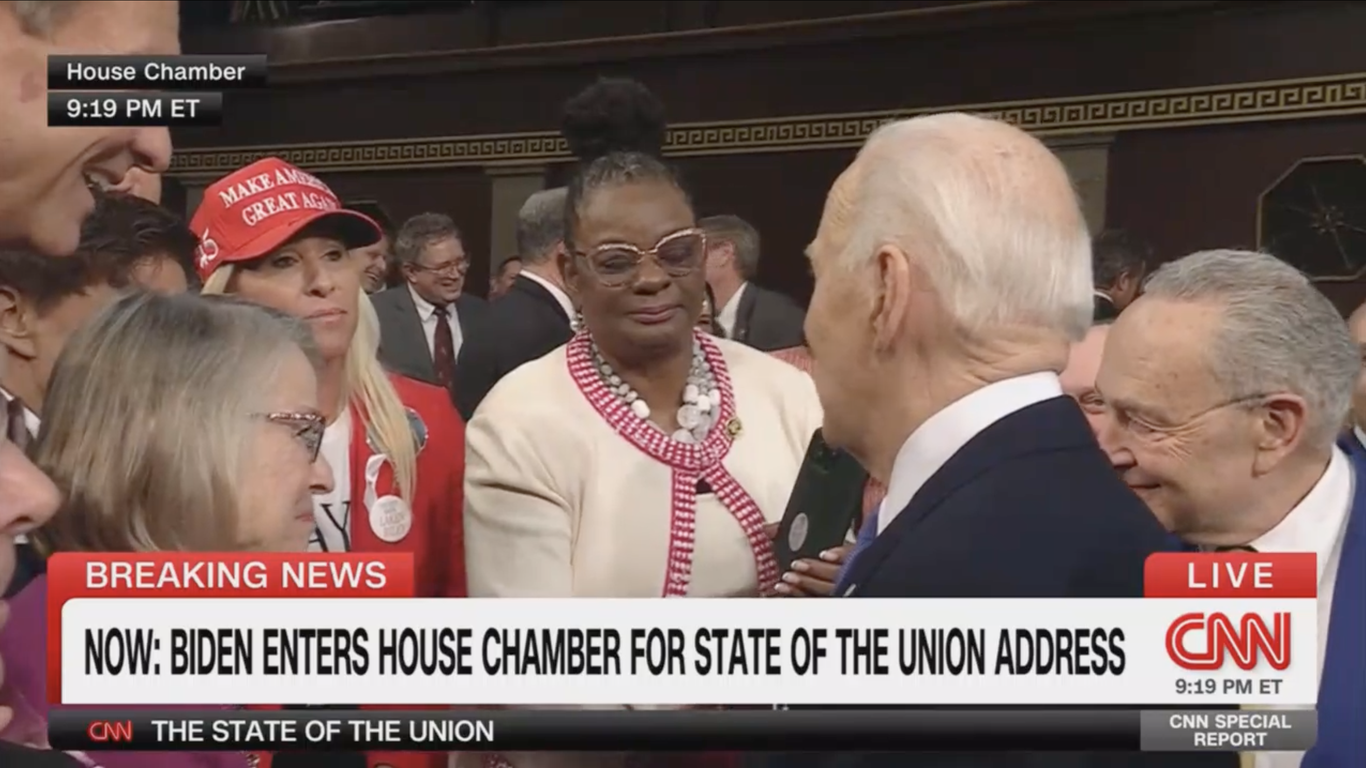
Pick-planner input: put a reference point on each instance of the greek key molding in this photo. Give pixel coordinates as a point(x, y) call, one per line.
point(1298, 99)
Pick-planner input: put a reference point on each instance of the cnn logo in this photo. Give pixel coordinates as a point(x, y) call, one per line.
point(109, 730)
point(1245, 642)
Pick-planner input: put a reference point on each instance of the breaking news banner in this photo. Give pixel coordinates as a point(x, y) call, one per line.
point(134, 108)
point(636, 730)
point(250, 629)
point(155, 73)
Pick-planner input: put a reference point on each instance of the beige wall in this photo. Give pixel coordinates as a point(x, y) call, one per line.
point(509, 189)
point(1087, 159)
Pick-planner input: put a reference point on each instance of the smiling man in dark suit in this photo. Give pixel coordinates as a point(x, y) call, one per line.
point(953, 271)
point(425, 322)
point(534, 316)
point(763, 319)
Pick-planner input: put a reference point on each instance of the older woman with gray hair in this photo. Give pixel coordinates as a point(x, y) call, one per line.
point(173, 424)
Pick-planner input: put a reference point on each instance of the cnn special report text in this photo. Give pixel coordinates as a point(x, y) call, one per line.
point(215, 630)
point(146, 90)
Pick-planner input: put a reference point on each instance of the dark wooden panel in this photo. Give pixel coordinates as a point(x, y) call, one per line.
point(781, 198)
point(1193, 189)
point(1067, 59)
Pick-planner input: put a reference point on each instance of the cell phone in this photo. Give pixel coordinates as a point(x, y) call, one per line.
point(826, 500)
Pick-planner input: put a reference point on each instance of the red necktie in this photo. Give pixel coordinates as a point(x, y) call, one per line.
point(443, 349)
point(16, 429)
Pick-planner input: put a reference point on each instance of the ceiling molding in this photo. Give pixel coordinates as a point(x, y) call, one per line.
point(1298, 99)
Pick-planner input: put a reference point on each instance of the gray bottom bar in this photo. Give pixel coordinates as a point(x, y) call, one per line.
point(1247, 730)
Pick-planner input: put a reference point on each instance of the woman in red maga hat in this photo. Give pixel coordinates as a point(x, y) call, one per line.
point(278, 236)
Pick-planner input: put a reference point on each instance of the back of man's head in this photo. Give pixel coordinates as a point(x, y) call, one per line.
point(540, 225)
point(127, 242)
point(1117, 253)
point(742, 237)
point(987, 211)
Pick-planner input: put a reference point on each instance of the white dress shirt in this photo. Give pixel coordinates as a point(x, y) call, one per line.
point(560, 296)
point(426, 312)
point(1317, 524)
point(31, 419)
point(332, 510)
point(727, 315)
point(942, 435)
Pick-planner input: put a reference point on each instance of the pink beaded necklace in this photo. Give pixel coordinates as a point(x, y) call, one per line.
point(690, 462)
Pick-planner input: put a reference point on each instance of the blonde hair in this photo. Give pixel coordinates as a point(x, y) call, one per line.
point(367, 383)
point(148, 417)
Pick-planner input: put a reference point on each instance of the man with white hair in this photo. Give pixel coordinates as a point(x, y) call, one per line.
point(1226, 384)
point(953, 272)
point(46, 172)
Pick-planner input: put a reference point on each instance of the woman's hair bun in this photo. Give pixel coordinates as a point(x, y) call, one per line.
point(613, 115)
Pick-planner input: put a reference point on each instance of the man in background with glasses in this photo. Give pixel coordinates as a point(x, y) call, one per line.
point(424, 323)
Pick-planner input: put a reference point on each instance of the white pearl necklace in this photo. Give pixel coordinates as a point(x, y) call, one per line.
point(701, 397)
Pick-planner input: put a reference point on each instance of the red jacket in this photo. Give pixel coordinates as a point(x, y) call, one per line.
point(436, 539)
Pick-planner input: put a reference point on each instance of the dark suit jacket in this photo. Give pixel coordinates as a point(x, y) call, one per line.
point(403, 344)
point(768, 320)
point(527, 323)
point(1105, 309)
point(1030, 507)
point(28, 566)
point(15, 756)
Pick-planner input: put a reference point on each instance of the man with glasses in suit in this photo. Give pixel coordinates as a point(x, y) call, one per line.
point(424, 323)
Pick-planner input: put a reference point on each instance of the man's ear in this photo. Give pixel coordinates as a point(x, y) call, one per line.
point(725, 253)
point(17, 320)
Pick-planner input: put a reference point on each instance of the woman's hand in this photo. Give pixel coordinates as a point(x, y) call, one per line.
point(808, 577)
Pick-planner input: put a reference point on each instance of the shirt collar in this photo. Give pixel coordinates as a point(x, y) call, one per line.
point(1316, 523)
point(726, 315)
point(945, 433)
point(426, 309)
point(556, 291)
point(31, 420)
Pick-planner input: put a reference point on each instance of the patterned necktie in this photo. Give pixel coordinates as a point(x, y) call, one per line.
point(16, 428)
point(866, 535)
point(443, 348)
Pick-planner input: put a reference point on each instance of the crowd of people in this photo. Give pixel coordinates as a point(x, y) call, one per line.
point(1037, 411)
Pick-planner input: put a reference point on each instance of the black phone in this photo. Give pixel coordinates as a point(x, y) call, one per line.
point(826, 500)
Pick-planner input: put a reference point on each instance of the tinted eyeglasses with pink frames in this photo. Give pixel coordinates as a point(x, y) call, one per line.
point(616, 264)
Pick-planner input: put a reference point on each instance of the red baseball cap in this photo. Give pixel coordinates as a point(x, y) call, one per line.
point(253, 211)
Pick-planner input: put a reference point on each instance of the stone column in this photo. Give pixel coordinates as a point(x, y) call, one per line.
point(1087, 158)
point(509, 188)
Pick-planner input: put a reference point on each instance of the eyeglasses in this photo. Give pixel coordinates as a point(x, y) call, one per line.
point(449, 269)
point(1146, 430)
point(616, 264)
point(308, 429)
